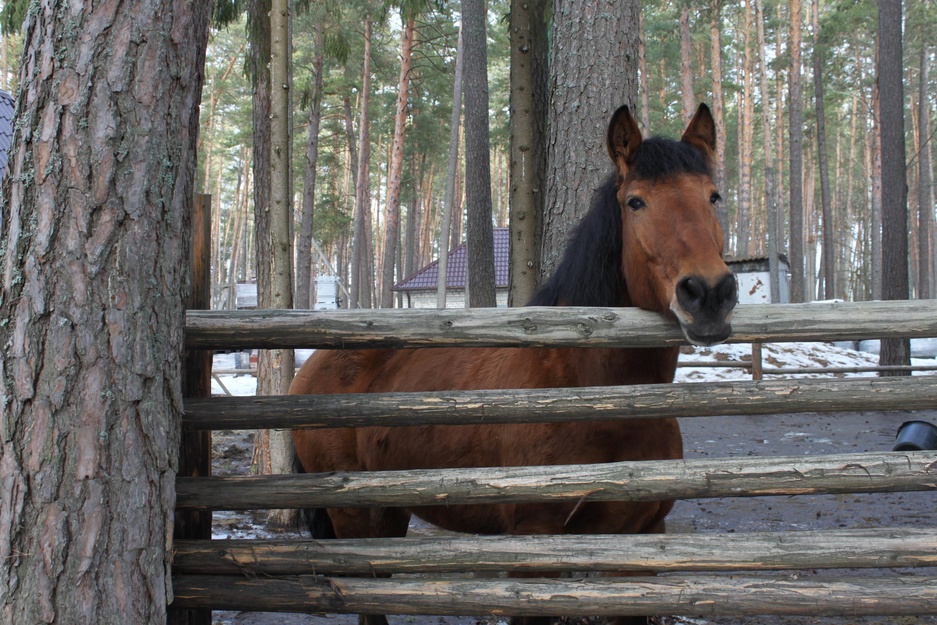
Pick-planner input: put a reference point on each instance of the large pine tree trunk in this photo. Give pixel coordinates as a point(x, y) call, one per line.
point(796, 197)
point(479, 236)
point(894, 181)
point(592, 73)
point(395, 170)
point(95, 269)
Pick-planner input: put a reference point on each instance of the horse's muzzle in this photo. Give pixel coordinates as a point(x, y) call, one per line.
point(704, 307)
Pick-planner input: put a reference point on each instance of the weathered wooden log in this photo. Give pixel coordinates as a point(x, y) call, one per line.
point(685, 595)
point(564, 404)
point(619, 481)
point(863, 548)
point(548, 326)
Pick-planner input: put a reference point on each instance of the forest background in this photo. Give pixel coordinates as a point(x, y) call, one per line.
point(734, 56)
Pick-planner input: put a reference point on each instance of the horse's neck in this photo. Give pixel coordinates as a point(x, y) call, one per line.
point(629, 365)
point(613, 367)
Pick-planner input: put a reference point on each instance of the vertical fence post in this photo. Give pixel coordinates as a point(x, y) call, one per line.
point(757, 372)
point(195, 454)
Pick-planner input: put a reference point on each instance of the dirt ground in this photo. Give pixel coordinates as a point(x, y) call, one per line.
point(801, 434)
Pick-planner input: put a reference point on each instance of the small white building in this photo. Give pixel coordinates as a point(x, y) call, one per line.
point(326, 293)
point(754, 279)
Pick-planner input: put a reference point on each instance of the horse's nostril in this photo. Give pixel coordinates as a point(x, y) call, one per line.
point(727, 289)
point(690, 293)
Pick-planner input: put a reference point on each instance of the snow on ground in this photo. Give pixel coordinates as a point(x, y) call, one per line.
point(774, 356)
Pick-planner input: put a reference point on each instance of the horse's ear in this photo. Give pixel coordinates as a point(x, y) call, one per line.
point(624, 137)
point(701, 133)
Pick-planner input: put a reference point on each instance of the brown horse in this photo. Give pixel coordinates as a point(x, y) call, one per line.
point(650, 239)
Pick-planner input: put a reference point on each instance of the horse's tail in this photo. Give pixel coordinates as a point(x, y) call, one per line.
point(316, 519)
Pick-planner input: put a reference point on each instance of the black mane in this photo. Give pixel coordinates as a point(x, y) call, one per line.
point(590, 272)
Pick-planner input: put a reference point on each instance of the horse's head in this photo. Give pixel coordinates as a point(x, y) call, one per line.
point(671, 239)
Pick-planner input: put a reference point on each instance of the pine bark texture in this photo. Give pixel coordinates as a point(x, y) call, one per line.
point(95, 269)
point(719, 166)
point(593, 58)
point(925, 182)
point(361, 274)
point(746, 112)
point(452, 166)
point(894, 178)
point(826, 203)
point(275, 367)
point(479, 235)
point(304, 256)
point(686, 66)
point(395, 169)
point(773, 229)
point(528, 126)
point(796, 155)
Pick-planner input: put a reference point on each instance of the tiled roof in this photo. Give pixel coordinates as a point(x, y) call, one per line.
point(7, 109)
point(425, 279)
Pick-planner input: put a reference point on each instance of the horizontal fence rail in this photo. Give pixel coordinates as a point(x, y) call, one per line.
point(694, 595)
point(288, 575)
point(864, 548)
point(548, 326)
point(564, 404)
point(619, 481)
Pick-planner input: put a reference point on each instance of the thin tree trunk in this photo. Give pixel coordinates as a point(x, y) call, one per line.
point(395, 170)
point(304, 262)
point(458, 204)
point(715, 60)
point(894, 181)
point(849, 211)
point(96, 262)
point(826, 207)
point(529, 94)
point(771, 203)
point(442, 275)
point(275, 367)
point(361, 276)
point(745, 138)
point(925, 179)
point(480, 242)
point(686, 66)
point(798, 283)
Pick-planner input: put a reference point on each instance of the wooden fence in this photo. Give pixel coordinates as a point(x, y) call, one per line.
point(278, 575)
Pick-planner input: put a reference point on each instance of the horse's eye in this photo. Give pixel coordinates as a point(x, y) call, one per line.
point(714, 198)
point(636, 203)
